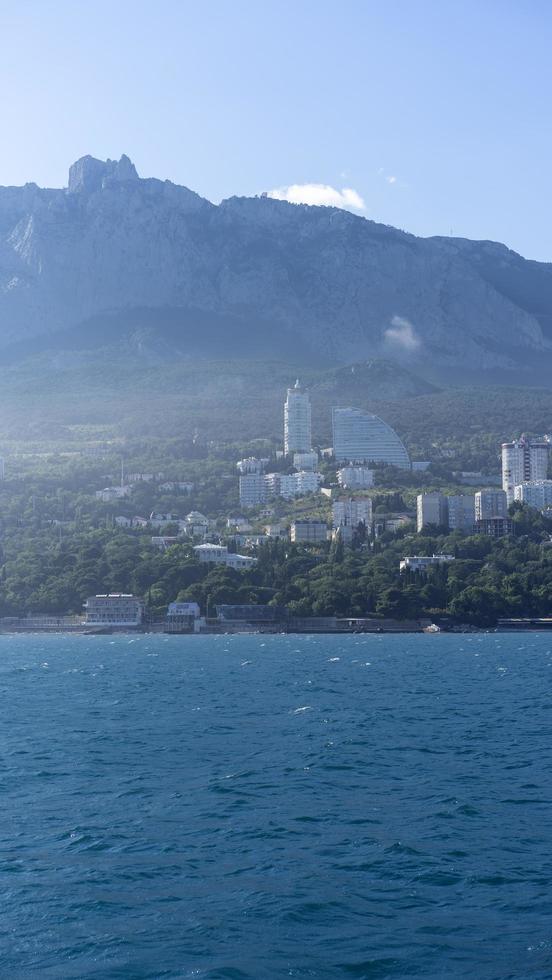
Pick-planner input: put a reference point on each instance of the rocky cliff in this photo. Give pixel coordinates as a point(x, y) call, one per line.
point(273, 276)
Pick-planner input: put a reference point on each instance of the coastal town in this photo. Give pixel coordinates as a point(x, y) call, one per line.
point(319, 503)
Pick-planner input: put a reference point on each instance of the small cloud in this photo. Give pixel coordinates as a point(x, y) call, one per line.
point(401, 333)
point(389, 178)
point(323, 194)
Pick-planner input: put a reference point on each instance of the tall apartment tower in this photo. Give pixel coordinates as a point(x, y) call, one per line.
point(431, 508)
point(523, 460)
point(490, 503)
point(297, 421)
point(461, 512)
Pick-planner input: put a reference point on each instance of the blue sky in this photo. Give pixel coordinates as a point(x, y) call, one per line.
point(434, 116)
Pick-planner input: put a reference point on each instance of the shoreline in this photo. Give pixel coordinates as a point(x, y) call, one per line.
point(65, 631)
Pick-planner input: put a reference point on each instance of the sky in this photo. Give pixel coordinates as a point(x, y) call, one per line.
point(429, 115)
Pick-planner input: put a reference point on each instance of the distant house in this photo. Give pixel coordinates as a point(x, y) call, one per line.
point(140, 522)
point(421, 563)
point(184, 617)
point(108, 494)
point(163, 541)
point(171, 486)
point(276, 531)
point(116, 609)
point(238, 523)
point(218, 554)
point(184, 609)
point(162, 520)
point(196, 525)
point(144, 477)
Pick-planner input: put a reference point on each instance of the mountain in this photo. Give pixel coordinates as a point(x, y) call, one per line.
point(114, 255)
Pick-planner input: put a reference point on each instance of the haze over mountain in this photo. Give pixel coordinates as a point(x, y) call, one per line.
point(117, 255)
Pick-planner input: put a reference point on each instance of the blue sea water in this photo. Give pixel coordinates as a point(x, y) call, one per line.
point(251, 807)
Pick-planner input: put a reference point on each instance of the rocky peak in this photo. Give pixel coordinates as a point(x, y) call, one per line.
point(88, 174)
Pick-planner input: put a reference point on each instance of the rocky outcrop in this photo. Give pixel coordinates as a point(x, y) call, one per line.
point(342, 285)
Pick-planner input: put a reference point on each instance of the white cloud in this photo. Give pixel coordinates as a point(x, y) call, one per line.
point(320, 194)
point(401, 333)
point(391, 180)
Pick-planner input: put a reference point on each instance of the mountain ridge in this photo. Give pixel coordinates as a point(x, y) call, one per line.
point(340, 286)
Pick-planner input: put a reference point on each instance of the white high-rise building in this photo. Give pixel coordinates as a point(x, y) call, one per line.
point(359, 437)
point(252, 489)
point(290, 485)
point(535, 493)
point(297, 421)
point(522, 461)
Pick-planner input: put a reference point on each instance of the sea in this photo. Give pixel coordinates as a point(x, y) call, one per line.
point(255, 807)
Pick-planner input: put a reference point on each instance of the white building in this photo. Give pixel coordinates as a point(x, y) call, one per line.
point(359, 437)
point(490, 503)
point(276, 531)
point(252, 489)
point(420, 563)
point(196, 525)
point(143, 477)
point(116, 609)
point(431, 508)
point(238, 524)
point(297, 421)
point(172, 485)
point(309, 532)
point(218, 554)
point(289, 485)
point(355, 477)
point(523, 461)
point(272, 484)
point(461, 512)
point(535, 493)
point(251, 465)
point(305, 461)
point(184, 609)
point(352, 512)
point(108, 494)
point(184, 616)
point(306, 482)
point(162, 520)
